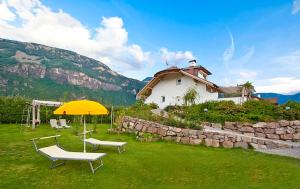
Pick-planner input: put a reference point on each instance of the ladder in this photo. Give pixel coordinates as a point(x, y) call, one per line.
point(25, 122)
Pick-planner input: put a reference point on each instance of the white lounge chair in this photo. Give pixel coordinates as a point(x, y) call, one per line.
point(56, 153)
point(96, 143)
point(63, 123)
point(53, 123)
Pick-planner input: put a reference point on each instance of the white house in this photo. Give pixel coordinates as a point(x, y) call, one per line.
point(169, 86)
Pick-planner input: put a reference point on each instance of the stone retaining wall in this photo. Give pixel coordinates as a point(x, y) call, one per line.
point(233, 135)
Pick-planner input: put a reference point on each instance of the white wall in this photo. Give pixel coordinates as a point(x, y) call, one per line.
point(167, 87)
point(236, 100)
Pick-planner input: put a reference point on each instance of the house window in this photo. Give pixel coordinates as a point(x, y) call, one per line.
point(178, 82)
point(163, 98)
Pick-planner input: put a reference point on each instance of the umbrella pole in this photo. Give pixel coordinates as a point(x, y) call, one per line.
point(84, 150)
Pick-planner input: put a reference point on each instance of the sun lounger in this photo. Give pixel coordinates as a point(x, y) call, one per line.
point(53, 123)
point(63, 123)
point(56, 153)
point(96, 143)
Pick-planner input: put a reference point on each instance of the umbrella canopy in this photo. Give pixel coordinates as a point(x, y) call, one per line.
point(82, 107)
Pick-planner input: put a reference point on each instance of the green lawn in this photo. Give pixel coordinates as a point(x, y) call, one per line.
point(143, 165)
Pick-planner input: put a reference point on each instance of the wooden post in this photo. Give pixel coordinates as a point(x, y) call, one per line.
point(111, 116)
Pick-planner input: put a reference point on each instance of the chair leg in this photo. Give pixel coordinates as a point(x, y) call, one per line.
point(92, 167)
point(54, 164)
point(121, 149)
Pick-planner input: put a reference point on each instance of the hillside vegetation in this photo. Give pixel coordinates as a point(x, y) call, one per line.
point(43, 72)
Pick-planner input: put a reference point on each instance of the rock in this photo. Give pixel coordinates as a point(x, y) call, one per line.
point(258, 146)
point(249, 134)
point(138, 127)
point(215, 143)
point(177, 130)
point(286, 136)
point(230, 125)
point(227, 144)
point(217, 137)
point(185, 132)
point(246, 139)
point(246, 129)
point(178, 139)
point(185, 140)
point(269, 131)
point(260, 125)
point(162, 132)
point(273, 136)
point(296, 123)
point(296, 136)
point(271, 145)
point(272, 125)
point(195, 141)
point(152, 130)
point(241, 145)
point(208, 142)
point(202, 136)
point(261, 142)
point(169, 138)
point(259, 130)
point(216, 125)
point(260, 135)
point(290, 130)
point(280, 131)
point(193, 132)
point(131, 124)
point(284, 123)
point(171, 133)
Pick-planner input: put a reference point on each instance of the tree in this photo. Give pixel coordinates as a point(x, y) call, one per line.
point(190, 96)
point(248, 90)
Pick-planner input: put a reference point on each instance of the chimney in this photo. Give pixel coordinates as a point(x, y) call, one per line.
point(192, 63)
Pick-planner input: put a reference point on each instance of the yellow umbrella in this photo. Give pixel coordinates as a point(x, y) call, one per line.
point(82, 107)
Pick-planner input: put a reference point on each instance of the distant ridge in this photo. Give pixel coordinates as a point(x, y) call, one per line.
point(281, 97)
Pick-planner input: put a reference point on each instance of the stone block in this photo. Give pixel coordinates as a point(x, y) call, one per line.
point(260, 125)
point(286, 136)
point(271, 145)
point(215, 143)
point(185, 132)
point(260, 135)
point(169, 138)
point(290, 130)
point(178, 139)
point(272, 125)
point(171, 133)
point(296, 136)
point(176, 129)
point(246, 139)
point(284, 123)
point(230, 125)
point(227, 144)
point(195, 141)
point(217, 125)
point(273, 136)
point(246, 129)
point(192, 132)
point(254, 140)
point(162, 132)
point(296, 123)
point(280, 131)
point(269, 131)
point(258, 146)
point(261, 142)
point(138, 127)
point(208, 142)
point(259, 130)
point(185, 140)
point(241, 145)
point(249, 134)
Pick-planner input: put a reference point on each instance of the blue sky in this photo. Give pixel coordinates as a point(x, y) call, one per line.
point(237, 41)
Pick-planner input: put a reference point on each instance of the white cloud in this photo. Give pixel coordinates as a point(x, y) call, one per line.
point(284, 85)
point(176, 58)
point(296, 6)
point(5, 13)
point(229, 52)
point(30, 20)
point(247, 74)
point(292, 58)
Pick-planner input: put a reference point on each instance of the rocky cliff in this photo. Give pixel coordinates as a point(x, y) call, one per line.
point(44, 72)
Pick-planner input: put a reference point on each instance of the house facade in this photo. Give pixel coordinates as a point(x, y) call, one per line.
point(168, 87)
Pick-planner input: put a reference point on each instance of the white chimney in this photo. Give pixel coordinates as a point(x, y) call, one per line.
point(192, 63)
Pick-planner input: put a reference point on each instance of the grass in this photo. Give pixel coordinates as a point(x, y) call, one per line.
point(143, 165)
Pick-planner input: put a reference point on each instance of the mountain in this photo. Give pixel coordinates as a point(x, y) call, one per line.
point(281, 98)
point(43, 72)
point(147, 79)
